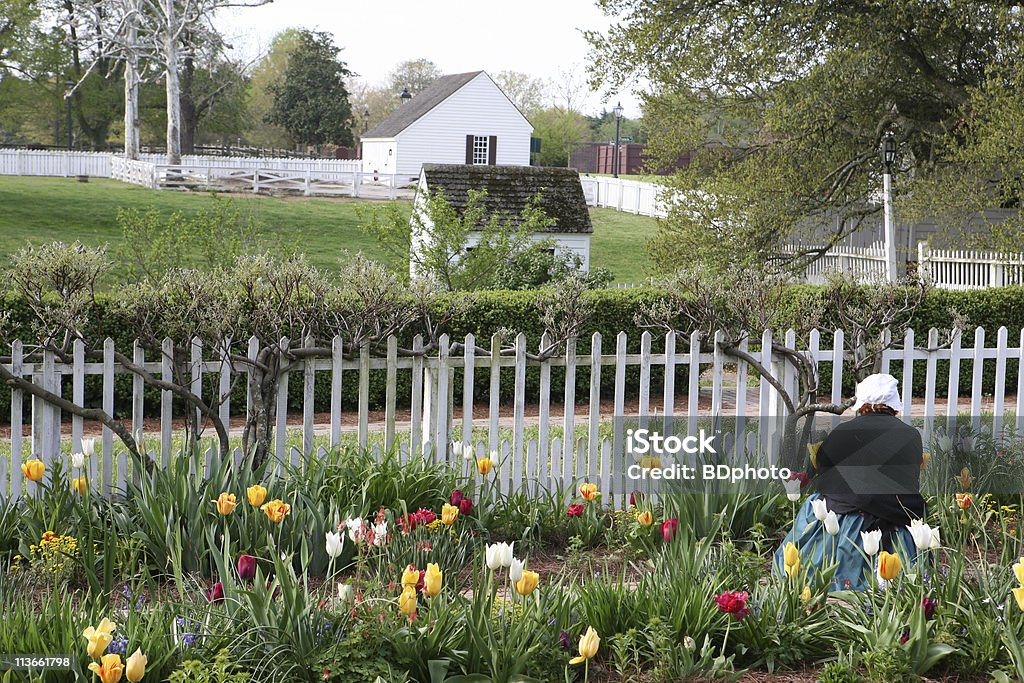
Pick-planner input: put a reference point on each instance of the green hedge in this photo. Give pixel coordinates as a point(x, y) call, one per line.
point(615, 309)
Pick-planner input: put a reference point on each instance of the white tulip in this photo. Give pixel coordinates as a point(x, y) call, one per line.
point(515, 570)
point(457, 449)
point(936, 541)
point(945, 443)
point(792, 489)
point(89, 447)
point(492, 557)
point(922, 534)
point(820, 508)
point(355, 529)
point(335, 543)
point(871, 540)
point(831, 523)
point(345, 592)
point(499, 555)
point(78, 460)
point(380, 533)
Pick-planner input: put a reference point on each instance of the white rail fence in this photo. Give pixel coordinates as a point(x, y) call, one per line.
point(310, 177)
point(699, 385)
point(963, 269)
point(632, 196)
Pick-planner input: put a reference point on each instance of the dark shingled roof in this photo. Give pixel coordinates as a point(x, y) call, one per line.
point(510, 189)
point(406, 114)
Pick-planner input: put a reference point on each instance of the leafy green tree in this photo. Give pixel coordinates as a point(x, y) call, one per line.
point(525, 91)
point(561, 131)
point(785, 103)
point(414, 74)
point(268, 71)
point(310, 99)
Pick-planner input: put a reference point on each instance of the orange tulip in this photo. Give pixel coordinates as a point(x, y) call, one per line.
point(589, 492)
point(484, 466)
point(964, 500)
point(110, 669)
point(33, 469)
point(225, 503)
point(79, 485)
point(276, 510)
point(889, 565)
point(645, 518)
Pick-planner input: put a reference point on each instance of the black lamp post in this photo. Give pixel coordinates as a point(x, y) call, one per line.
point(618, 123)
point(406, 95)
point(366, 120)
point(67, 98)
point(888, 151)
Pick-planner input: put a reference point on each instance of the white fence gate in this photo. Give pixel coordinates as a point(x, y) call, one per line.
point(696, 388)
point(631, 196)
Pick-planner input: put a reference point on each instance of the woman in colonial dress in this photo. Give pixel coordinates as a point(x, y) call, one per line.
point(866, 472)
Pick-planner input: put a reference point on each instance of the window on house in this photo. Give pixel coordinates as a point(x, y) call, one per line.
point(481, 150)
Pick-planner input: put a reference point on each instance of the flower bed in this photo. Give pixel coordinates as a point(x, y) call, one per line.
point(358, 570)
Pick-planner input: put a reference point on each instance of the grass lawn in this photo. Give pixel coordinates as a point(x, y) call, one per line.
point(37, 210)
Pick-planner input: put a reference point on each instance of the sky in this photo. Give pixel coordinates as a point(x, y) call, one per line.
point(538, 37)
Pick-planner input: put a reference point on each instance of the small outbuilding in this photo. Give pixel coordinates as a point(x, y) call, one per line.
point(459, 118)
point(509, 190)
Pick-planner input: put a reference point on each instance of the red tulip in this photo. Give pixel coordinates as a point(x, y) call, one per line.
point(636, 499)
point(669, 528)
point(575, 510)
point(456, 498)
point(734, 603)
point(246, 567)
point(466, 506)
point(216, 593)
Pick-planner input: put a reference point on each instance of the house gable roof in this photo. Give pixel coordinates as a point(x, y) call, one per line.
point(408, 113)
point(511, 188)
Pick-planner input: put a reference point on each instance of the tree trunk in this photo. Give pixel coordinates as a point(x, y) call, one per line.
point(131, 86)
point(189, 115)
point(170, 45)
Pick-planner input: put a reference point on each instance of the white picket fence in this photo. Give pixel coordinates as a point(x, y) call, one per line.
point(866, 264)
point(715, 388)
point(964, 269)
point(631, 196)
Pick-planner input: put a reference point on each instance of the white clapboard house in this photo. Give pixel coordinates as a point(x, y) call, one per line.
point(460, 118)
point(509, 189)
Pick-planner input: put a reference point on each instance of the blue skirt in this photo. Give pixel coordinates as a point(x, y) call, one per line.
point(819, 550)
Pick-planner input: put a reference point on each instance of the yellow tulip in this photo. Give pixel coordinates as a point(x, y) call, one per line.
point(411, 576)
point(33, 469)
point(135, 668)
point(650, 462)
point(589, 642)
point(79, 485)
point(484, 466)
point(589, 492)
point(645, 518)
point(791, 560)
point(805, 594)
point(449, 513)
point(1018, 593)
point(257, 493)
point(99, 637)
point(925, 457)
point(276, 510)
point(225, 503)
point(109, 669)
point(889, 565)
point(527, 583)
point(1018, 571)
point(407, 601)
point(965, 478)
point(432, 580)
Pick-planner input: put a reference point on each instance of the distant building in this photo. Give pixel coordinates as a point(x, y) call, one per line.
point(599, 157)
point(458, 119)
point(509, 190)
